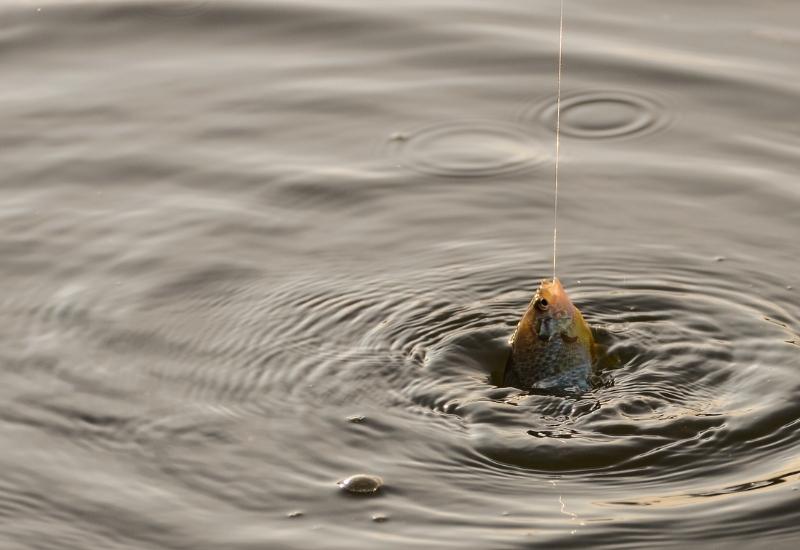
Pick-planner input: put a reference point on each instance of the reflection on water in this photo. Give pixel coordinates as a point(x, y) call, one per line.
point(251, 250)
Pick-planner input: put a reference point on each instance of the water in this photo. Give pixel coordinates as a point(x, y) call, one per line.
point(250, 249)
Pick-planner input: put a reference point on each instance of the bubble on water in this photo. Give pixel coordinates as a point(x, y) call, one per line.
point(469, 148)
point(361, 484)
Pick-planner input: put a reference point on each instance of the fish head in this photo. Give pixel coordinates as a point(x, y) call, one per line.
point(552, 311)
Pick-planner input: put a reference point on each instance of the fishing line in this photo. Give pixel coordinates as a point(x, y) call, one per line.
point(558, 133)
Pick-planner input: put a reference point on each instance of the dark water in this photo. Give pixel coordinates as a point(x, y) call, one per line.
point(249, 249)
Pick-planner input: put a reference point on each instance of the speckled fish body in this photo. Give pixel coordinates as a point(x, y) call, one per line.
point(552, 347)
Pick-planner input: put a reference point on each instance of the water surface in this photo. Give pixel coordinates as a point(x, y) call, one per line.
point(251, 248)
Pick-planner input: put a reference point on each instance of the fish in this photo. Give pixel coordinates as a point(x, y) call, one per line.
point(552, 348)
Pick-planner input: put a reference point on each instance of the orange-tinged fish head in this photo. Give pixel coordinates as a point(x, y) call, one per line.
point(552, 314)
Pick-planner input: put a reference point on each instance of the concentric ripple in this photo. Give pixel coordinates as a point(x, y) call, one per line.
point(468, 148)
point(704, 370)
point(601, 115)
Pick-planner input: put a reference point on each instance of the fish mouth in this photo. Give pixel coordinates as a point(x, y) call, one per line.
point(546, 328)
point(549, 327)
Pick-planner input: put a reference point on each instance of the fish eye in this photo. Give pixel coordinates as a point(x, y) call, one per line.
point(542, 304)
